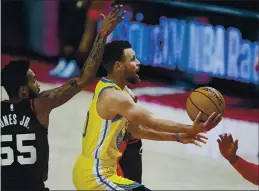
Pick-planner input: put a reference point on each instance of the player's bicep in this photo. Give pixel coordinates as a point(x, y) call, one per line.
point(121, 103)
point(111, 101)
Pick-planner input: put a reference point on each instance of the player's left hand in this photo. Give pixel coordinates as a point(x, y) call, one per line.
point(228, 147)
point(112, 20)
point(197, 140)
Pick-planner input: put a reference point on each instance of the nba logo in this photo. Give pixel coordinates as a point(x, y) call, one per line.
point(11, 107)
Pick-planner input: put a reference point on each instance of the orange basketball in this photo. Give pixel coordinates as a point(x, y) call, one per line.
point(205, 100)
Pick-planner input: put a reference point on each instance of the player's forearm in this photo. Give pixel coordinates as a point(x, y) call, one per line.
point(141, 132)
point(248, 170)
point(93, 61)
point(169, 126)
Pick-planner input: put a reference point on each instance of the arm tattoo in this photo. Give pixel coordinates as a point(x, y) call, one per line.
point(73, 83)
point(58, 96)
point(93, 61)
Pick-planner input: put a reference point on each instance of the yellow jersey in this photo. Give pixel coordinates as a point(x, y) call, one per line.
point(101, 137)
point(96, 166)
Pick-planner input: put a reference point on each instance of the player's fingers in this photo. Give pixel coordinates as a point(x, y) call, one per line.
point(197, 143)
point(198, 118)
point(123, 13)
point(115, 7)
point(201, 140)
point(209, 123)
point(219, 141)
point(221, 137)
point(118, 19)
point(216, 120)
point(102, 16)
point(236, 143)
point(227, 139)
point(202, 136)
point(116, 11)
point(231, 138)
point(121, 17)
point(234, 147)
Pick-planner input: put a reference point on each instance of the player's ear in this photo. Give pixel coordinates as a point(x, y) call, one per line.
point(118, 66)
point(23, 90)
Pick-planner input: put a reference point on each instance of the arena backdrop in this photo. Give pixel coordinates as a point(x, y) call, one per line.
point(195, 42)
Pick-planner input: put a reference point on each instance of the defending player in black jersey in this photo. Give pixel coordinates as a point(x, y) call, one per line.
point(25, 116)
point(130, 164)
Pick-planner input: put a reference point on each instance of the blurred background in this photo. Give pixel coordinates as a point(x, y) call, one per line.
point(185, 43)
point(181, 44)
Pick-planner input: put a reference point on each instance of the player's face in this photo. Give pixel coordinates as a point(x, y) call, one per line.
point(33, 85)
point(131, 66)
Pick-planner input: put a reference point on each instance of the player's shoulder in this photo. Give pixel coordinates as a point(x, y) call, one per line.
point(109, 93)
point(113, 95)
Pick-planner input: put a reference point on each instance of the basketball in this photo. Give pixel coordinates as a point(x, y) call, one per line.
point(205, 100)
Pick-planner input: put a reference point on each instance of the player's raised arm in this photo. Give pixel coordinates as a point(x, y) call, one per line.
point(123, 105)
point(61, 95)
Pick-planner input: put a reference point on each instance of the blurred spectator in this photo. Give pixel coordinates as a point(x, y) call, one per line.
point(79, 36)
point(79, 39)
point(73, 30)
point(228, 149)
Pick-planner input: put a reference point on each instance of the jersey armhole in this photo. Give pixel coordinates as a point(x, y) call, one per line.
point(35, 113)
point(107, 87)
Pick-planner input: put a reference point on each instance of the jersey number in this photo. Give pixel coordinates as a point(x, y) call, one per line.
point(20, 139)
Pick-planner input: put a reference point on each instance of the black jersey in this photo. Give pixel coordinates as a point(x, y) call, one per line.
point(25, 148)
point(131, 161)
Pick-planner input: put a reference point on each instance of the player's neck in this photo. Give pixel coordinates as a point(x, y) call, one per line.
point(117, 80)
point(15, 99)
point(19, 97)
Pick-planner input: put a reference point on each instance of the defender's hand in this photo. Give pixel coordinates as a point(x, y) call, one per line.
point(112, 20)
point(212, 122)
point(228, 147)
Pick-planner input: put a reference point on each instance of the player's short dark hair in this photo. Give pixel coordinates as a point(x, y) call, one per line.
point(113, 52)
point(14, 75)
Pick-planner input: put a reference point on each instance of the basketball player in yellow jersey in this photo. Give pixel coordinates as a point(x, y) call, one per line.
point(106, 123)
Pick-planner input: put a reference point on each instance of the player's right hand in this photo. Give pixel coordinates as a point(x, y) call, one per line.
point(112, 20)
point(212, 122)
point(196, 140)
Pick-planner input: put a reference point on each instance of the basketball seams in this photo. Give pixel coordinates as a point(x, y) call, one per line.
point(219, 94)
point(209, 99)
point(197, 107)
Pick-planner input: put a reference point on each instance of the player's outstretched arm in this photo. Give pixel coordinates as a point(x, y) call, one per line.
point(228, 148)
point(113, 102)
point(140, 132)
point(61, 95)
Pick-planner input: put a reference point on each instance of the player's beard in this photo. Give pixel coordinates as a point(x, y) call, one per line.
point(32, 94)
point(133, 80)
